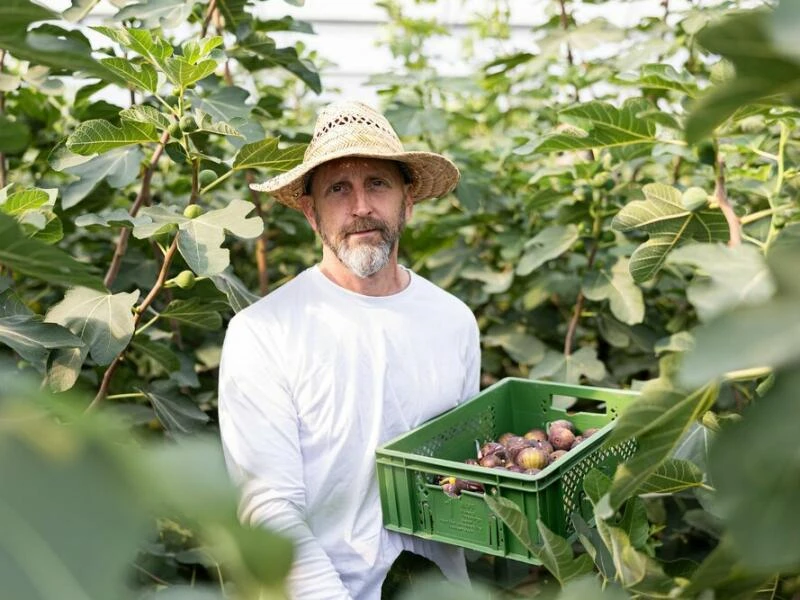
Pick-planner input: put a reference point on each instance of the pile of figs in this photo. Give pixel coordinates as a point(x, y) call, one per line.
point(528, 453)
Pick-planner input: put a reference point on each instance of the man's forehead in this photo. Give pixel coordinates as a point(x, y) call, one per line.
point(356, 164)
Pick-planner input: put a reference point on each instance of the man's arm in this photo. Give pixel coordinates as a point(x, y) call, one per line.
point(260, 439)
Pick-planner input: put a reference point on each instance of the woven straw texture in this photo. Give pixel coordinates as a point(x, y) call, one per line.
point(354, 129)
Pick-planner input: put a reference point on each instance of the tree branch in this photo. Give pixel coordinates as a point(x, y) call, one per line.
point(140, 310)
point(212, 7)
point(261, 242)
point(576, 313)
point(725, 206)
point(142, 198)
point(3, 173)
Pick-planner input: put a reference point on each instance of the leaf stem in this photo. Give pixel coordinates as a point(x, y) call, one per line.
point(143, 197)
point(746, 374)
point(217, 181)
point(772, 198)
point(148, 324)
point(721, 195)
point(121, 396)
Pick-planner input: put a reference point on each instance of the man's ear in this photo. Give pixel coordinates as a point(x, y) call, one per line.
point(409, 202)
point(306, 203)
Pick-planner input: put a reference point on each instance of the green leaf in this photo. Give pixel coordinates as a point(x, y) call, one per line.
point(97, 136)
point(183, 73)
point(589, 588)
point(46, 546)
point(175, 411)
point(658, 419)
point(206, 123)
point(65, 368)
point(158, 13)
point(669, 223)
point(22, 201)
point(146, 114)
point(673, 475)
point(258, 51)
point(520, 346)
point(595, 547)
point(569, 369)
point(14, 136)
point(195, 312)
point(194, 50)
point(728, 277)
point(140, 76)
point(601, 125)
point(660, 77)
point(141, 41)
point(117, 217)
point(233, 13)
point(239, 296)
point(223, 104)
point(266, 154)
point(617, 286)
point(161, 354)
point(200, 239)
point(118, 168)
point(763, 69)
point(784, 22)
point(160, 220)
point(724, 572)
point(551, 242)
point(756, 488)
point(556, 555)
point(758, 336)
point(637, 572)
point(514, 519)
point(103, 321)
point(32, 339)
point(36, 259)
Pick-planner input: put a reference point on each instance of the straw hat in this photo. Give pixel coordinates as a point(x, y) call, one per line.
point(351, 128)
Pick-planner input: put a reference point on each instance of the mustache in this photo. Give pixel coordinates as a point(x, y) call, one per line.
point(365, 224)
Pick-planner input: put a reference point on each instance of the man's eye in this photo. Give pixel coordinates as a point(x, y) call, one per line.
point(337, 187)
point(379, 183)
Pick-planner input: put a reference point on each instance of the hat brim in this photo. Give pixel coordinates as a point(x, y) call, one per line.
point(432, 175)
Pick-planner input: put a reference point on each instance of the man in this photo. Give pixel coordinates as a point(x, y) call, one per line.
point(351, 353)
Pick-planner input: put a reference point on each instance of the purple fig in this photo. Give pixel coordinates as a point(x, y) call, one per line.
point(561, 438)
point(556, 455)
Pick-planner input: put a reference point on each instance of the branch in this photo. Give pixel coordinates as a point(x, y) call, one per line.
point(143, 197)
point(261, 243)
point(140, 310)
point(2, 110)
point(212, 8)
point(576, 313)
point(725, 205)
point(565, 26)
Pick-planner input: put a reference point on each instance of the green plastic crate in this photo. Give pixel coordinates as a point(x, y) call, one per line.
point(409, 467)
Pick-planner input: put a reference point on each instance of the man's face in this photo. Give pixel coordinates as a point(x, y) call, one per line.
point(359, 207)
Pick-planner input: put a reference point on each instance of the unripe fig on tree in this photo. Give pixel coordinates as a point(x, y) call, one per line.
point(175, 130)
point(185, 279)
point(188, 124)
point(206, 177)
point(192, 211)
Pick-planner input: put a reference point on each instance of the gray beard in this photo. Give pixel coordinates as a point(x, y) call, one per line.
point(364, 260)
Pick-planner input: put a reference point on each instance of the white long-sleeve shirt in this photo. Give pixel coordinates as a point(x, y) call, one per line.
point(313, 378)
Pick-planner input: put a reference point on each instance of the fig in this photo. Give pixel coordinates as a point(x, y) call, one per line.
point(175, 130)
point(563, 424)
point(556, 455)
point(515, 468)
point(471, 461)
point(587, 433)
point(192, 211)
point(578, 439)
point(492, 448)
point(206, 177)
point(546, 446)
point(451, 489)
point(506, 437)
point(561, 438)
point(188, 124)
point(515, 446)
point(538, 435)
point(491, 461)
point(532, 458)
point(185, 279)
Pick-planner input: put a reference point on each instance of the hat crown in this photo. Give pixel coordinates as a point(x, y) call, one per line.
point(351, 125)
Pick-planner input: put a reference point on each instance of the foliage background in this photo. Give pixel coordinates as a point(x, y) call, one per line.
point(627, 221)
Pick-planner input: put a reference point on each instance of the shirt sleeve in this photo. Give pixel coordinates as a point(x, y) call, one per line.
point(472, 378)
point(259, 429)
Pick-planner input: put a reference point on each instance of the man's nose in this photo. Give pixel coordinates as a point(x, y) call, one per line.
point(361, 202)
